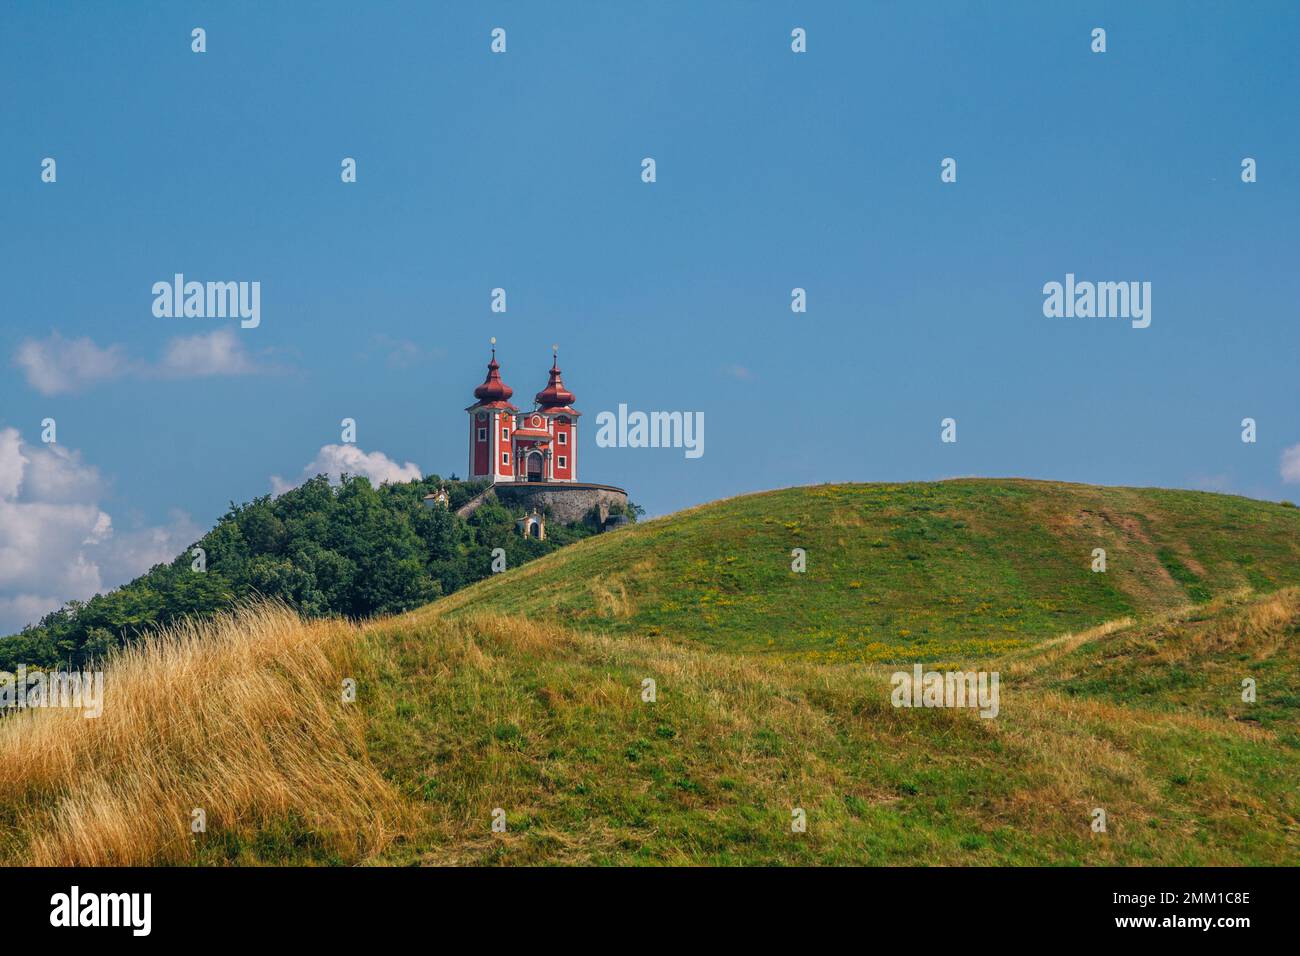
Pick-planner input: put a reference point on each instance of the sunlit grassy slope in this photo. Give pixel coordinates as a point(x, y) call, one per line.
point(474, 713)
point(1118, 692)
point(904, 572)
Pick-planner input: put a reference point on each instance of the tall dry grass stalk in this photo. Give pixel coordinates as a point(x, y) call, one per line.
point(240, 716)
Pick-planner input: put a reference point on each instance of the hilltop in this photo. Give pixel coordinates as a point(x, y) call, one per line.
point(917, 571)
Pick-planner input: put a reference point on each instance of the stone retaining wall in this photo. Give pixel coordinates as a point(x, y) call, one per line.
point(566, 502)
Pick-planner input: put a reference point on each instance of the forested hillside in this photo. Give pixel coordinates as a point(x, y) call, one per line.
point(347, 549)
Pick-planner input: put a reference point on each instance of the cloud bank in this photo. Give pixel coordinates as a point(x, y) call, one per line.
point(57, 366)
point(56, 543)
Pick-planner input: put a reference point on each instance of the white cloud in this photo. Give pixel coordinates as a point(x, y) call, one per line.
point(12, 463)
point(55, 365)
point(218, 353)
point(141, 548)
point(336, 460)
point(56, 543)
point(56, 475)
point(1291, 465)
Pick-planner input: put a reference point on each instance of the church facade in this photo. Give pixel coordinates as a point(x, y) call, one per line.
point(507, 445)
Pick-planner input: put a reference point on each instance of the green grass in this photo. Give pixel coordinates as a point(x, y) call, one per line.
point(524, 692)
point(477, 712)
point(952, 569)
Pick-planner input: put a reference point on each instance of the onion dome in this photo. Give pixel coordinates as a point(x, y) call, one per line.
point(555, 395)
point(493, 389)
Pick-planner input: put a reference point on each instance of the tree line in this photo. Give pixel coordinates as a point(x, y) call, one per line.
point(346, 549)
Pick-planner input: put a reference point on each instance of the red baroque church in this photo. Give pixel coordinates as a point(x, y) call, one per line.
point(507, 445)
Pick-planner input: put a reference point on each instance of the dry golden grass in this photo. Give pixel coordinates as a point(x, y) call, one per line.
point(1262, 630)
point(1036, 658)
point(241, 716)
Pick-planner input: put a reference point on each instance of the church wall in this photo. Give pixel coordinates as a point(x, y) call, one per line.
point(506, 467)
point(568, 471)
point(482, 462)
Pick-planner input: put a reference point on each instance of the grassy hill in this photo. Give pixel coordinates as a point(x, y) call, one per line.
point(1118, 692)
point(919, 571)
point(458, 717)
point(494, 712)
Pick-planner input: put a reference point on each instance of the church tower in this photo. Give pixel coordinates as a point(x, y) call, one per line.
point(491, 427)
point(546, 442)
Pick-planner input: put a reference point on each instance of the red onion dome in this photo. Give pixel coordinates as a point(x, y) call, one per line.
point(493, 389)
point(555, 395)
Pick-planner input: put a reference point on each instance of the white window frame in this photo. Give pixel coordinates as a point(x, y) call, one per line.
point(505, 458)
point(505, 433)
point(563, 438)
point(561, 462)
point(482, 434)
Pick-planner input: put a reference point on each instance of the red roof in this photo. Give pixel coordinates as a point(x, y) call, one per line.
point(554, 395)
point(493, 391)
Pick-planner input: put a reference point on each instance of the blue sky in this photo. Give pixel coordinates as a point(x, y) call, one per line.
point(775, 170)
